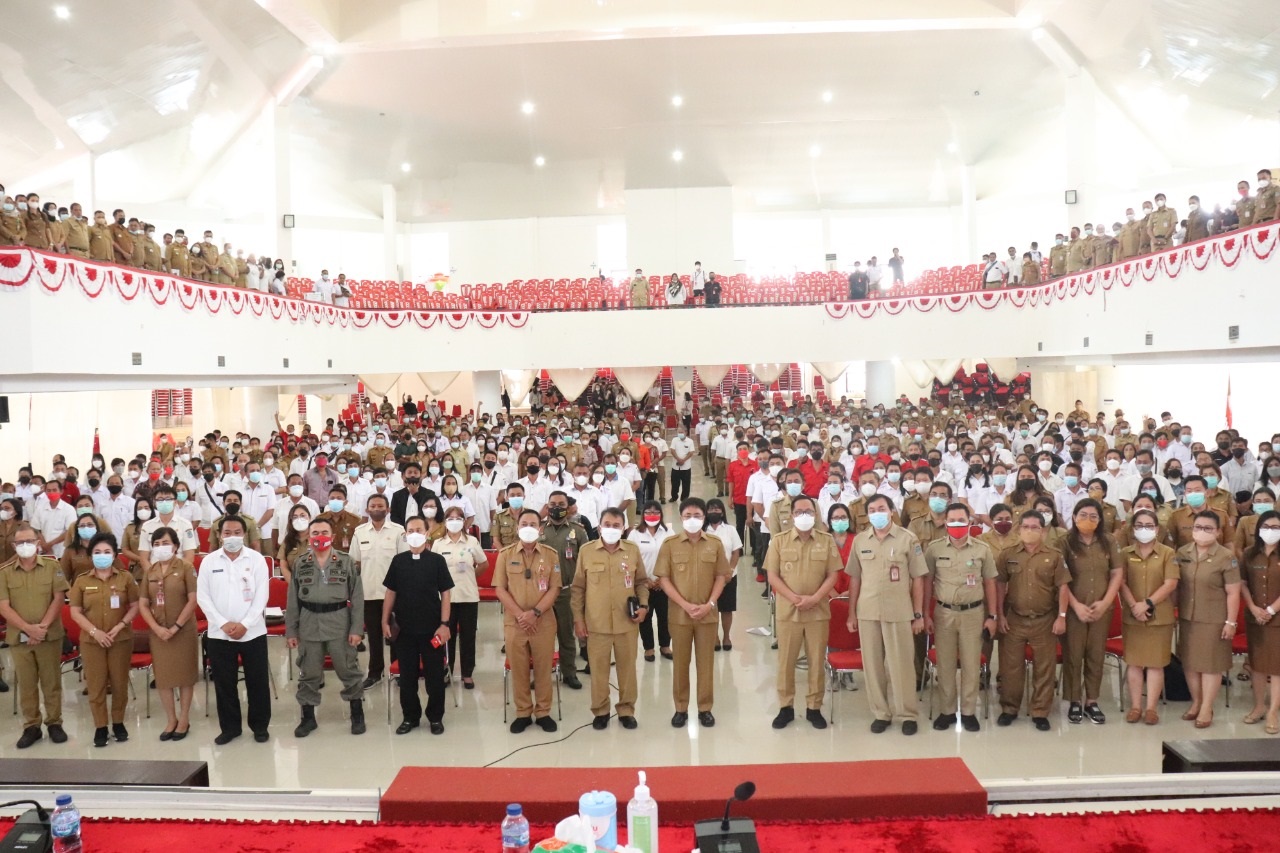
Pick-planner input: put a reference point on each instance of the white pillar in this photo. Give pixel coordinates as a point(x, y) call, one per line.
point(969, 213)
point(881, 379)
point(258, 409)
point(278, 130)
point(390, 255)
point(1081, 137)
point(487, 385)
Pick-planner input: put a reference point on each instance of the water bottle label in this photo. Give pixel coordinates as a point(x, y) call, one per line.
point(641, 834)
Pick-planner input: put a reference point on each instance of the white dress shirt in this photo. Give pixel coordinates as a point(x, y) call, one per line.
point(255, 501)
point(590, 502)
point(53, 522)
point(234, 590)
point(484, 500)
point(372, 549)
point(187, 540)
point(117, 513)
point(536, 492)
point(728, 536)
point(682, 447)
point(280, 521)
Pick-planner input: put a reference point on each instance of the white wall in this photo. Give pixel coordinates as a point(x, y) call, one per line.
point(44, 424)
point(1196, 394)
point(501, 250)
point(669, 229)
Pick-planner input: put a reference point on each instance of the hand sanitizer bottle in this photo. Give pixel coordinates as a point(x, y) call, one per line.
point(642, 819)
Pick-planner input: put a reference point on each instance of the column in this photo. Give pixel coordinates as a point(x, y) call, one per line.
point(487, 386)
point(968, 213)
point(277, 120)
point(881, 379)
point(1080, 124)
point(390, 254)
point(257, 409)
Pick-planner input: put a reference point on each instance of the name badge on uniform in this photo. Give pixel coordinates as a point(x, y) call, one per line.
point(895, 574)
point(971, 579)
point(115, 601)
point(245, 591)
point(543, 582)
point(626, 576)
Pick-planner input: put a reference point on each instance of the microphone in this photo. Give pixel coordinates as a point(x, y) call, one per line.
point(742, 793)
point(729, 835)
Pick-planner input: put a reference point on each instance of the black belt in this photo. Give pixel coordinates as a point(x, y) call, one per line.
point(323, 608)
point(961, 607)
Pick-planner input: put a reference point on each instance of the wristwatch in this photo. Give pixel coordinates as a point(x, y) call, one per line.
point(537, 612)
point(917, 615)
point(1271, 611)
point(1062, 614)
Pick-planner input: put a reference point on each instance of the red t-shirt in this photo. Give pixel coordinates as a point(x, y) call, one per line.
point(815, 476)
point(737, 473)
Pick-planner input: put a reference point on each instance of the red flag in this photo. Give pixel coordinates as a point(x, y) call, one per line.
point(97, 445)
point(1228, 402)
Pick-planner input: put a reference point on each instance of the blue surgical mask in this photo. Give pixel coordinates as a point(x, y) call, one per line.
point(1195, 500)
point(380, 482)
point(336, 505)
point(1152, 493)
point(611, 469)
point(1259, 509)
point(164, 507)
point(516, 501)
point(255, 477)
point(1211, 481)
point(1071, 480)
point(937, 504)
point(833, 489)
point(1000, 479)
point(873, 448)
point(894, 476)
point(840, 525)
point(793, 489)
point(879, 520)
point(86, 532)
point(103, 561)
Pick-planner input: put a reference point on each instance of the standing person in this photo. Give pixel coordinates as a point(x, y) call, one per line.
point(464, 557)
point(886, 593)
point(566, 537)
point(675, 291)
point(711, 292)
point(231, 589)
point(31, 595)
point(1150, 581)
point(962, 584)
point(682, 453)
point(610, 578)
point(1208, 602)
point(1262, 598)
point(874, 275)
point(325, 616)
point(418, 587)
point(692, 570)
point(1097, 571)
point(732, 543)
point(527, 581)
point(648, 535)
point(103, 603)
point(1032, 586)
point(895, 265)
point(373, 546)
point(802, 565)
point(697, 282)
point(167, 602)
point(639, 290)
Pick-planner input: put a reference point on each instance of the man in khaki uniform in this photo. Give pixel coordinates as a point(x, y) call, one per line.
point(227, 272)
point(1031, 588)
point(1198, 221)
point(177, 260)
point(1244, 206)
point(503, 526)
point(802, 564)
point(121, 239)
point(151, 252)
point(778, 512)
point(1079, 251)
point(1058, 258)
point(139, 257)
point(1130, 237)
point(209, 255)
point(610, 571)
point(526, 578)
point(344, 523)
point(962, 585)
point(692, 569)
point(242, 270)
point(199, 263)
point(31, 596)
point(57, 231)
point(886, 593)
point(1161, 224)
point(1266, 206)
point(379, 453)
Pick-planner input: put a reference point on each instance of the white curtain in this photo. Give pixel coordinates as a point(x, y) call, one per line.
point(637, 380)
point(943, 369)
point(769, 372)
point(518, 383)
point(919, 372)
point(830, 371)
point(380, 384)
point(712, 374)
point(572, 381)
point(1004, 368)
point(436, 383)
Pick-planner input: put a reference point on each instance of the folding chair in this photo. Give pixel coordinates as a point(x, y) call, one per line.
point(141, 661)
point(393, 674)
point(844, 649)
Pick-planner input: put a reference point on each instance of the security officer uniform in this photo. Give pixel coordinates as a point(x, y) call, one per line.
point(1163, 222)
point(1086, 642)
point(30, 593)
point(886, 570)
point(804, 566)
point(566, 538)
point(601, 586)
point(529, 576)
point(1030, 607)
point(503, 529)
point(959, 575)
point(105, 603)
point(692, 568)
point(326, 606)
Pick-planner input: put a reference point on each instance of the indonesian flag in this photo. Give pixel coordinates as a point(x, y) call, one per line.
point(1228, 402)
point(97, 445)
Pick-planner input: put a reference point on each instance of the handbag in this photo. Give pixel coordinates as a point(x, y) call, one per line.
point(395, 628)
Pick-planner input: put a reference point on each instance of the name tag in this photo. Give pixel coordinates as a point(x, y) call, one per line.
point(115, 602)
point(217, 571)
point(543, 584)
point(894, 574)
point(970, 580)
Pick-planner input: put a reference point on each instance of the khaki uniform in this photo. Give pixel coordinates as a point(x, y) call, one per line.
point(57, 236)
point(1183, 519)
point(1162, 223)
point(1086, 642)
point(1030, 607)
point(886, 570)
point(199, 266)
point(639, 292)
point(914, 507)
point(39, 666)
point(177, 260)
point(958, 581)
point(252, 536)
point(1221, 503)
point(242, 272)
point(37, 229)
point(209, 255)
point(1266, 205)
point(344, 526)
point(151, 254)
point(1030, 272)
point(326, 606)
point(1130, 237)
point(1144, 237)
point(598, 598)
point(1057, 260)
point(121, 237)
point(138, 258)
point(1197, 225)
point(804, 566)
point(226, 269)
point(692, 569)
point(529, 576)
point(566, 540)
point(1202, 607)
point(860, 519)
point(780, 520)
point(13, 230)
point(378, 456)
point(105, 603)
point(1244, 211)
point(503, 529)
point(77, 237)
point(1079, 255)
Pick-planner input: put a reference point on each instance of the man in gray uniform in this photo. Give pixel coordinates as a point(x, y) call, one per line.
point(325, 617)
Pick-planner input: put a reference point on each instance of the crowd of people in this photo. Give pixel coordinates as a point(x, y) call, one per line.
point(953, 528)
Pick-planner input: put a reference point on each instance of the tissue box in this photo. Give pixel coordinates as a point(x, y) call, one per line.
point(555, 845)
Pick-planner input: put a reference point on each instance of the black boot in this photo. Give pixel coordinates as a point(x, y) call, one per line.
point(308, 724)
point(357, 717)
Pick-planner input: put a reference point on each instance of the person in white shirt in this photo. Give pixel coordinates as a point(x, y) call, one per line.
point(723, 448)
point(451, 496)
point(484, 500)
point(629, 471)
point(258, 501)
point(682, 450)
point(184, 507)
point(537, 488)
point(359, 487)
point(301, 463)
point(660, 452)
point(1239, 473)
point(208, 492)
point(466, 559)
point(588, 500)
point(1071, 493)
point(166, 517)
point(434, 480)
point(955, 462)
point(697, 282)
point(284, 506)
point(1118, 485)
point(874, 274)
point(117, 511)
point(648, 534)
point(761, 495)
point(617, 491)
point(703, 434)
point(607, 440)
point(504, 466)
point(232, 589)
point(1049, 481)
point(323, 289)
point(373, 544)
point(52, 518)
point(727, 603)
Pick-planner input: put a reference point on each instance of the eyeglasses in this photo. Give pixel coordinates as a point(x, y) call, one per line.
point(1144, 527)
point(1203, 528)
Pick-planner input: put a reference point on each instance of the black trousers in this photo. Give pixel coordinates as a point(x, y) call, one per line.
point(373, 638)
point(225, 659)
point(681, 482)
point(762, 548)
point(740, 520)
point(462, 631)
point(418, 657)
point(658, 602)
point(486, 541)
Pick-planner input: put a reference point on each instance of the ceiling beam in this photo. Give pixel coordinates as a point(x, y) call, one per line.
point(312, 22)
point(15, 77)
point(222, 44)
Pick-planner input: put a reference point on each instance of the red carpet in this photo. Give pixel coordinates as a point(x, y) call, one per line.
point(936, 787)
point(1239, 832)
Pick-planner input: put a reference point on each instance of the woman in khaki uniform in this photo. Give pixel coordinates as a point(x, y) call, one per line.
point(1055, 535)
point(1096, 574)
point(1098, 491)
point(1208, 601)
point(295, 542)
point(167, 602)
point(103, 604)
point(75, 556)
point(1124, 535)
point(142, 512)
point(10, 519)
point(1262, 599)
point(1150, 580)
point(1264, 500)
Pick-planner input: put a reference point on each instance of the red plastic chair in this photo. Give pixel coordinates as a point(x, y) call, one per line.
point(141, 660)
point(506, 684)
point(844, 649)
point(484, 578)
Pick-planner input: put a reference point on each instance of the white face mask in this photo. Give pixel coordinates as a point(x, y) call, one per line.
point(804, 522)
point(581, 480)
point(233, 544)
point(867, 489)
point(161, 553)
point(528, 535)
point(415, 539)
point(144, 514)
point(1270, 537)
point(692, 525)
point(25, 550)
point(610, 535)
point(597, 478)
point(300, 524)
point(453, 525)
point(1148, 536)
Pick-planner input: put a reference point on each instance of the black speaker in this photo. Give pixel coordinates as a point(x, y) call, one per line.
point(4, 410)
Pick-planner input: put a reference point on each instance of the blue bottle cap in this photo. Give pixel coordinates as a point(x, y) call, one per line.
point(64, 799)
point(512, 810)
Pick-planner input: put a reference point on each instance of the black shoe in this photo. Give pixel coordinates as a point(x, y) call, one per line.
point(371, 682)
point(1006, 719)
point(942, 722)
point(100, 736)
point(225, 738)
point(586, 670)
point(56, 734)
point(261, 737)
point(815, 718)
point(469, 683)
point(177, 735)
point(4, 686)
point(572, 682)
point(1042, 723)
point(582, 652)
point(705, 718)
point(547, 724)
point(678, 719)
point(601, 722)
point(362, 647)
point(519, 724)
point(166, 736)
point(970, 723)
point(308, 723)
point(909, 727)
point(357, 717)
point(784, 718)
point(667, 655)
point(30, 736)
point(119, 732)
point(717, 647)
point(1094, 713)
point(879, 726)
point(406, 727)
point(437, 728)
point(628, 722)
point(1075, 714)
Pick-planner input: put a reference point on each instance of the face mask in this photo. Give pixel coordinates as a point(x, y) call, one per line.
point(415, 539)
point(1269, 536)
point(453, 525)
point(610, 469)
point(692, 525)
point(321, 542)
point(1204, 537)
point(651, 519)
point(164, 507)
point(867, 489)
point(1195, 500)
point(909, 487)
point(25, 550)
point(528, 535)
point(999, 479)
point(957, 530)
point(300, 524)
point(804, 523)
point(380, 482)
point(295, 491)
point(86, 533)
point(103, 561)
point(232, 509)
point(162, 553)
point(336, 505)
point(558, 513)
point(268, 461)
point(937, 505)
point(1174, 475)
point(793, 489)
point(1086, 525)
point(1003, 527)
point(1186, 438)
point(82, 511)
point(833, 489)
point(6, 514)
point(624, 458)
point(840, 525)
point(516, 501)
point(1273, 471)
point(1071, 480)
point(1211, 481)
point(879, 520)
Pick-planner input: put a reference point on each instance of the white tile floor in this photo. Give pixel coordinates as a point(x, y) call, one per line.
point(745, 703)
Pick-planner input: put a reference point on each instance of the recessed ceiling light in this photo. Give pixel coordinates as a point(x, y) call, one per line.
point(539, 161)
point(814, 151)
point(677, 100)
point(62, 13)
point(953, 147)
point(677, 155)
point(827, 96)
point(406, 168)
point(527, 108)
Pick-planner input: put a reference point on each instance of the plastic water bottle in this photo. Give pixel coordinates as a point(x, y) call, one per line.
point(65, 823)
point(515, 830)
